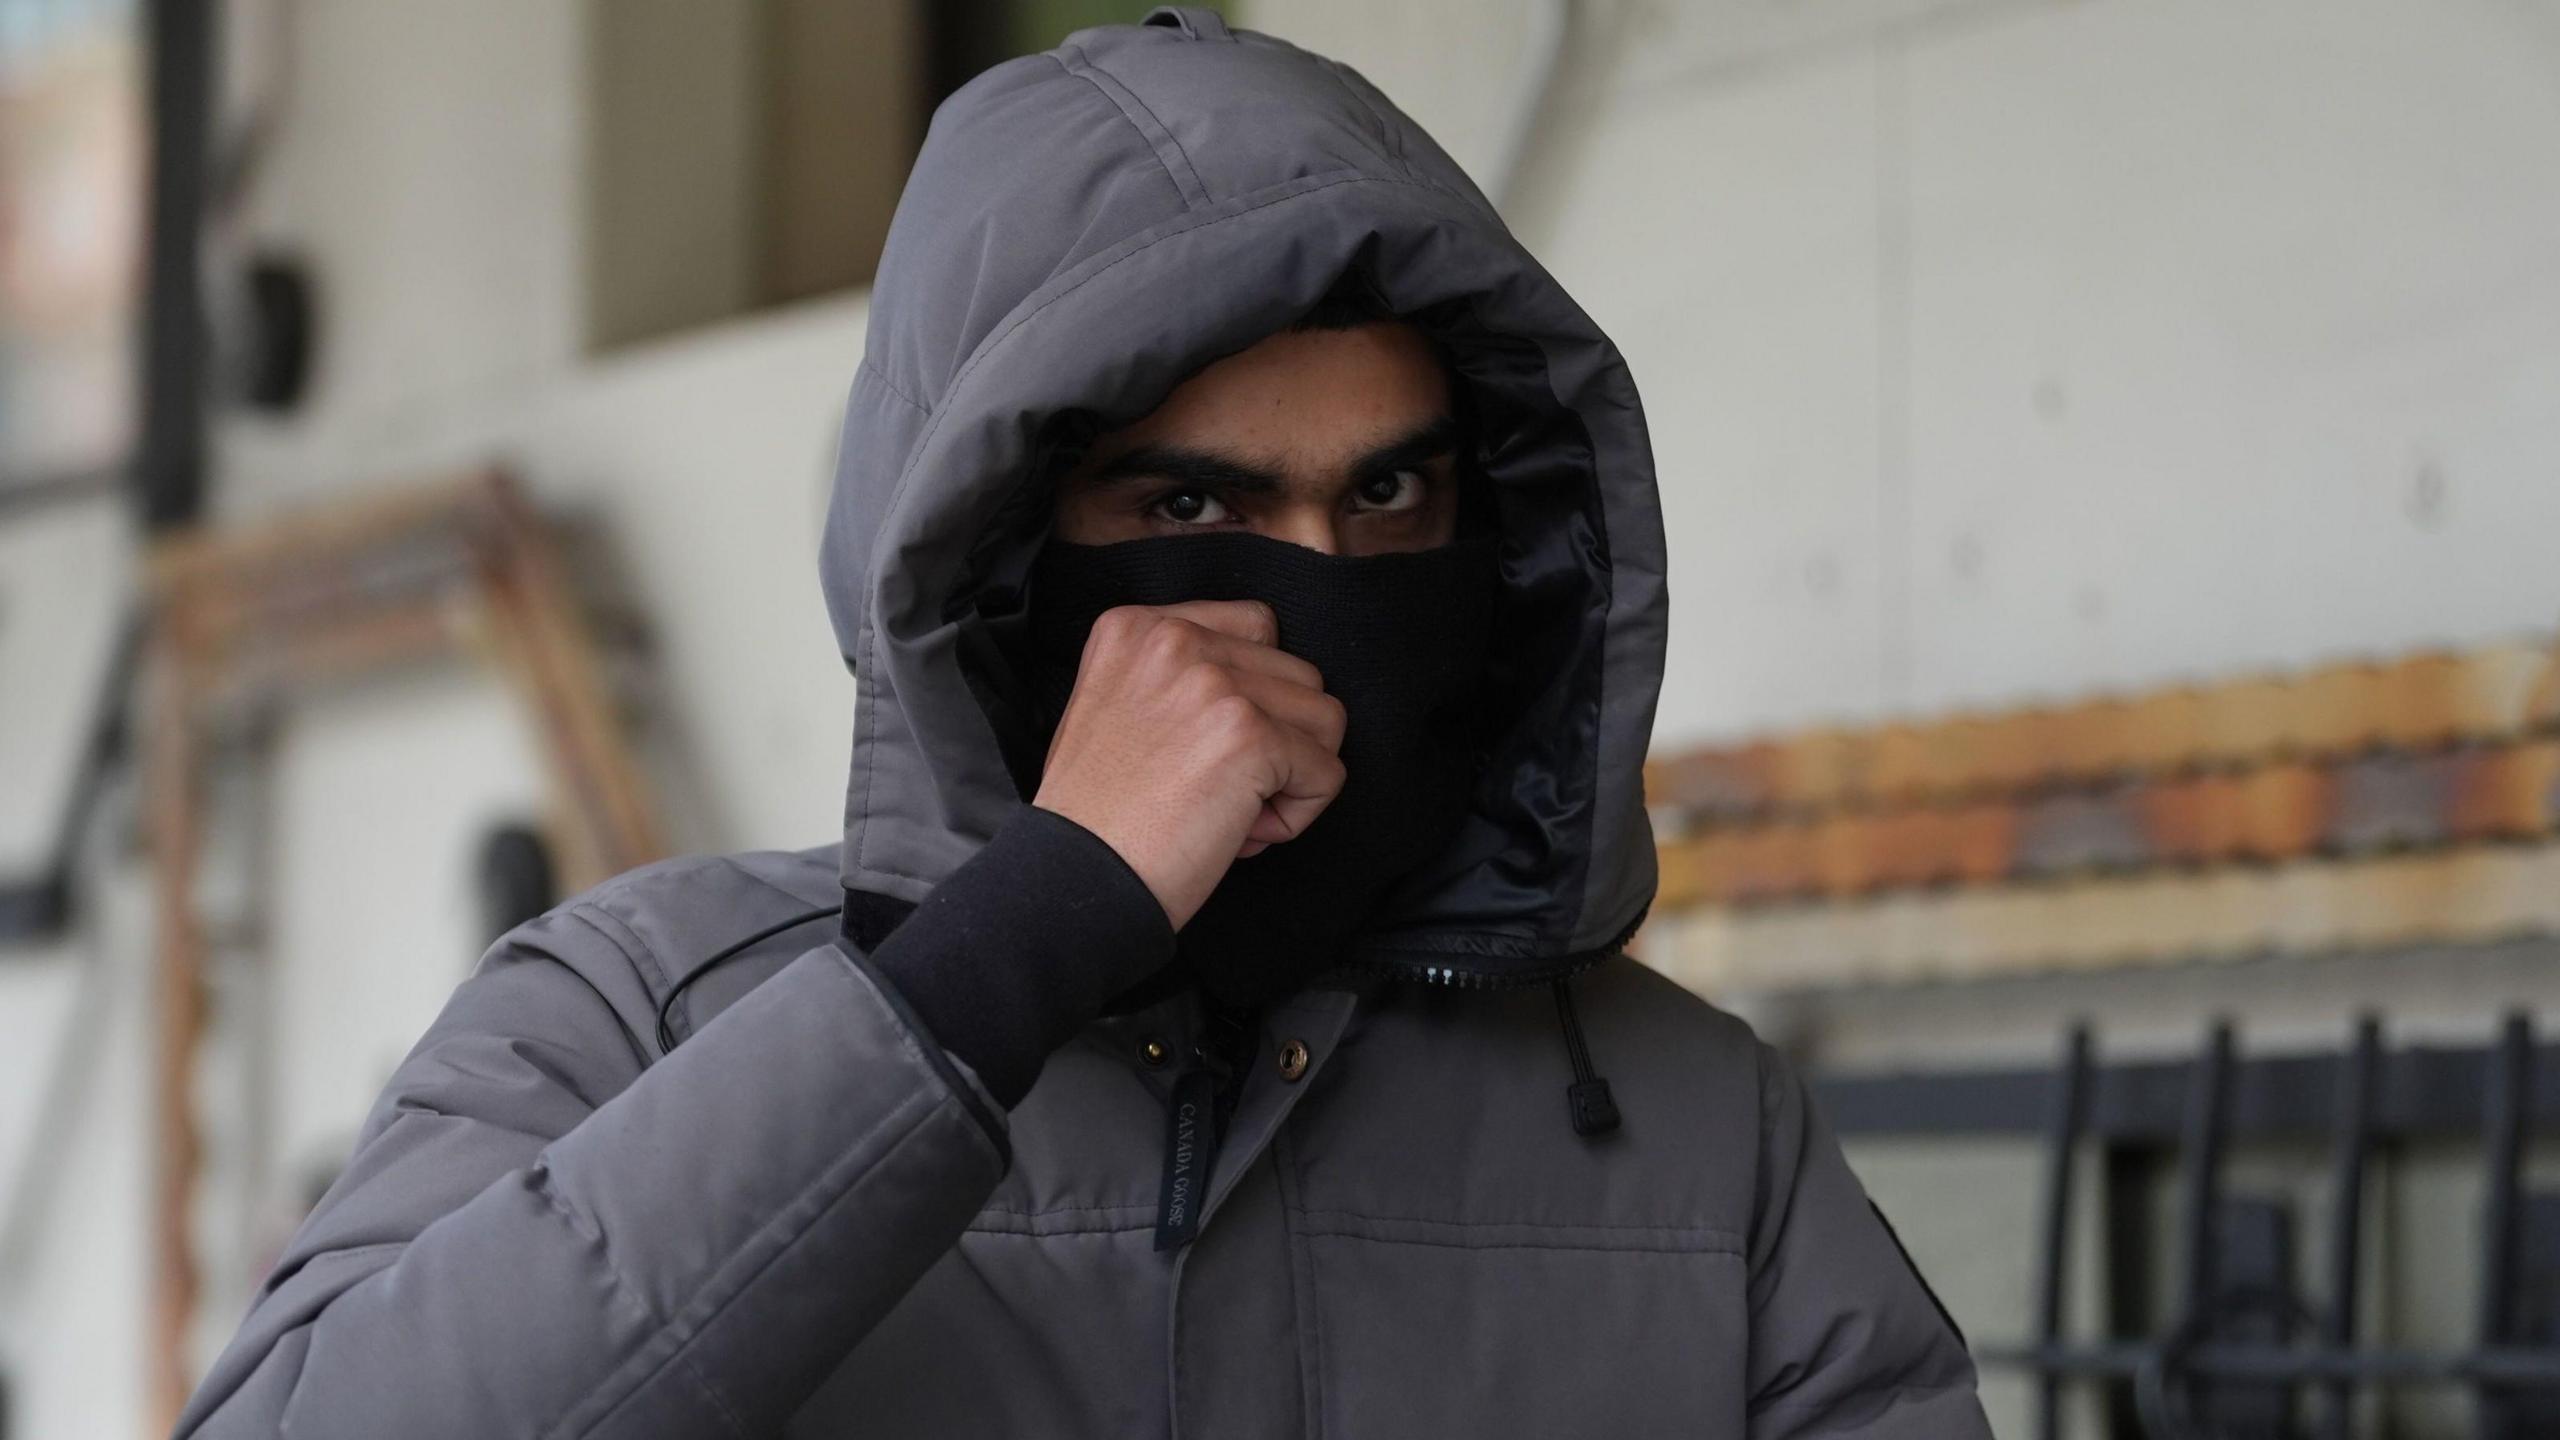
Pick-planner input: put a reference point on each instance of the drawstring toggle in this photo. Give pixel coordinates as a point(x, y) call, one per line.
point(1595, 1111)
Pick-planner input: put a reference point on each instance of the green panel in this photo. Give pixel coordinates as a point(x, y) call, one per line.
point(1039, 24)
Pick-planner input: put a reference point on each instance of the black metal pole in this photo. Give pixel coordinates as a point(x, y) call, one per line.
point(2346, 1225)
point(2421, 1093)
point(2502, 1118)
point(2259, 1362)
point(169, 460)
point(2201, 1137)
point(2069, 1105)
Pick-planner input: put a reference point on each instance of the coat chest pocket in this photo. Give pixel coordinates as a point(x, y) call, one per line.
point(1425, 1328)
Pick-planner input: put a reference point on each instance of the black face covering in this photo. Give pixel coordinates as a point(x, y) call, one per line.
point(1400, 640)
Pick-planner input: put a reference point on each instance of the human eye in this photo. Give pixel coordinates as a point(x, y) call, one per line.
point(1189, 507)
point(1393, 491)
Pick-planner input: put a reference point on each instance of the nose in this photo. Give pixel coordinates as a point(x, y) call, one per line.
point(1308, 525)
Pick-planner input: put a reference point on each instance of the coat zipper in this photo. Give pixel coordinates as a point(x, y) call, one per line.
point(1458, 977)
point(1589, 1105)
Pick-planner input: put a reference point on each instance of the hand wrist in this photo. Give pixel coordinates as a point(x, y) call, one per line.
point(1132, 857)
point(1011, 954)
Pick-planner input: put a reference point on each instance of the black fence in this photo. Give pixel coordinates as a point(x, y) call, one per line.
point(2240, 1349)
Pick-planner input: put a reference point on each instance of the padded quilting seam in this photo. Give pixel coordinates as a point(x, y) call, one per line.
point(858, 1163)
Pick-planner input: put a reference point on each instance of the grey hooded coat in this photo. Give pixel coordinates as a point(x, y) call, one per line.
point(677, 1160)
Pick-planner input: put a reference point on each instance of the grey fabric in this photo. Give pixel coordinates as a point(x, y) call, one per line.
point(809, 1219)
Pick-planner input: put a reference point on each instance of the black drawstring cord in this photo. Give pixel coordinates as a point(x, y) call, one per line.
point(684, 982)
point(1595, 1112)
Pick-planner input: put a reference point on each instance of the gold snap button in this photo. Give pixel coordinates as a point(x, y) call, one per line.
point(1153, 1052)
point(1293, 1059)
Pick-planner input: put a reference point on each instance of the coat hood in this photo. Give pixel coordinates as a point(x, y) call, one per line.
point(1085, 228)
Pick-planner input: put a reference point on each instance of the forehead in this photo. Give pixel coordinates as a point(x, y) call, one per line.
point(1300, 397)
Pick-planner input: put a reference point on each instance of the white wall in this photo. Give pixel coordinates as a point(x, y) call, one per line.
point(1992, 350)
point(2005, 350)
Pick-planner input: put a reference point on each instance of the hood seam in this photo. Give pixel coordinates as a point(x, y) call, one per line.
point(1390, 144)
point(1195, 194)
point(1585, 883)
point(866, 662)
point(882, 375)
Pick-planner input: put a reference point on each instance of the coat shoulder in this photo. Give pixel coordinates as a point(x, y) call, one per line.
point(637, 936)
point(1653, 1011)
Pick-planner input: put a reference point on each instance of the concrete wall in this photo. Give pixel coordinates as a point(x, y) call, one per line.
point(1996, 351)
point(1992, 350)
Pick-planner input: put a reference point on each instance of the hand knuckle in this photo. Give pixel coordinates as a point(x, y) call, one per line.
point(1235, 717)
point(1115, 628)
point(1173, 642)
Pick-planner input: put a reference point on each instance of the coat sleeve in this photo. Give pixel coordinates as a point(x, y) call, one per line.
point(1846, 1338)
point(540, 1233)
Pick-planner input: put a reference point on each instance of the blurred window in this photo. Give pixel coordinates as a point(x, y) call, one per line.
point(750, 154)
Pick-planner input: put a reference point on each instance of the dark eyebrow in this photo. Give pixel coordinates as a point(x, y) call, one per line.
point(1187, 467)
point(1430, 440)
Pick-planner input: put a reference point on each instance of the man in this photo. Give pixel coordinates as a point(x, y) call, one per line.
point(1250, 563)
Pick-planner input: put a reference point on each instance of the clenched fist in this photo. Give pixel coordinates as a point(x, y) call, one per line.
point(1191, 741)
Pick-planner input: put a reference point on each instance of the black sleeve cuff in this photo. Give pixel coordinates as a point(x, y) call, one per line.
point(1019, 947)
